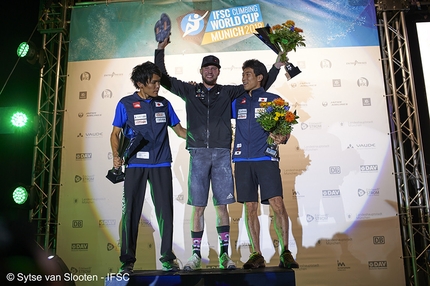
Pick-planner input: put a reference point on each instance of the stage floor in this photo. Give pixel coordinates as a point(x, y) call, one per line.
point(269, 276)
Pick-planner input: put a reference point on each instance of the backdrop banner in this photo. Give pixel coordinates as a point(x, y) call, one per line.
point(337, 167)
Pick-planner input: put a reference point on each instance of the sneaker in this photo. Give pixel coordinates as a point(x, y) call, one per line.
point(126, 268)
point(225, 262)
point(193, 263)
point(287, 260)
point(171, 265)
point(256, 260)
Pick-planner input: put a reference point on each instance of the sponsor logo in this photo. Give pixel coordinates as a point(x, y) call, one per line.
point(362, 82)
point(77, 223)
point(363, 216)
point(331, 193)
point(79, 246)
point(83, 156)
point(92, 114)
point(379, 239)
point(334, 170)
point(110, 246)
point(368, 168)
point(374, 192)
point(366, 101)
point(355, 63)
point(107, 93)
point(82, 95)
point(85, 76)
point(362, 146)
point(316, 218)
point(297, 194)
point(377, 265)
point(338, 240)
point(91, 135)
point(113, 74)
point(311, 126)
point(336, 82)
point(341, 266)
point(84, 179)
point(338, 103)
point(325, 64)
point(107, 222)
point(90, 200)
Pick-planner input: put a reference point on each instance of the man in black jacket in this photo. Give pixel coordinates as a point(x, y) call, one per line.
point(209, 137)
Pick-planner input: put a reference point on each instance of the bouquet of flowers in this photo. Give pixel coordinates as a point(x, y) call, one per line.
point(285, 37)
point(276, 118)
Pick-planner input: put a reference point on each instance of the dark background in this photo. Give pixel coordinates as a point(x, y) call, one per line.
point(18, 22)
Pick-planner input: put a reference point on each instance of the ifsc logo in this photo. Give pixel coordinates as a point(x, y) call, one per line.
point(193, 24)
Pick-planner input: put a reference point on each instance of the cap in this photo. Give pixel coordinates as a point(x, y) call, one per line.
point(210, 60)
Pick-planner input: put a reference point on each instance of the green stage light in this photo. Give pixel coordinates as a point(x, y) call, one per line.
point(20, 195)
point(23, 49)
point(31, 53)
point(19, 119)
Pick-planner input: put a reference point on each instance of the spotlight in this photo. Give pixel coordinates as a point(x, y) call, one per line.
point(16, 119)
point(29, 51)
point(20, 195)
point(19, 119)
point(23, 196)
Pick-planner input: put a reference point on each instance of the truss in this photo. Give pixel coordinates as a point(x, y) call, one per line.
point(411, 179)
point(48, 140)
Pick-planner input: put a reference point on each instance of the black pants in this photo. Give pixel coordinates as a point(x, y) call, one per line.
point(160, 180)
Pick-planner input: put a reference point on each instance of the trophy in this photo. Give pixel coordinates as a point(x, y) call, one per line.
point(127, 148)
point(263, 35)
point(162, 28)
point(116, 175)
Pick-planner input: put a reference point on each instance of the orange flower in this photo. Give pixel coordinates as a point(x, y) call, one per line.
point(276, 27)
point(279, 102)
point(298, 30)
point(290, 23)
point(290, 117)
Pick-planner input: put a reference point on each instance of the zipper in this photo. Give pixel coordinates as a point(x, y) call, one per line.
point(207, 121)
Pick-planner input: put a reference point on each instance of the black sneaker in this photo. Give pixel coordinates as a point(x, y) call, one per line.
point(287, 260)
point(256, 260)
point(126, 268)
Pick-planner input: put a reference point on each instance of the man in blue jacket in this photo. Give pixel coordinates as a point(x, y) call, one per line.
point(254, 169)
point(144, 116)
point(209, 136)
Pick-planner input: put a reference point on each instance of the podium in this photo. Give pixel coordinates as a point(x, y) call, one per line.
point(268, 276)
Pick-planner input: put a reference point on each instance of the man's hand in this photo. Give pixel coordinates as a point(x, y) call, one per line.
point(164, 43)
point(278, 64)
point(117, 162)
point(279, 139)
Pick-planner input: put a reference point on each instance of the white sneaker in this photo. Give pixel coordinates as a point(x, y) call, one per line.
point(193, 263)
point(225, 262)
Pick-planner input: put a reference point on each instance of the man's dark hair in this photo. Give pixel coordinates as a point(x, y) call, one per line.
point(259, 69)
point(143, 73)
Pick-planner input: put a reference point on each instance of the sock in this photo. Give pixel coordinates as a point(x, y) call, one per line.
point(224, 238)
point(197, 242)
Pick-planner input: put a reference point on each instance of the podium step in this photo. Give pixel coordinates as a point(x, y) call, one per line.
point(269, 276)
